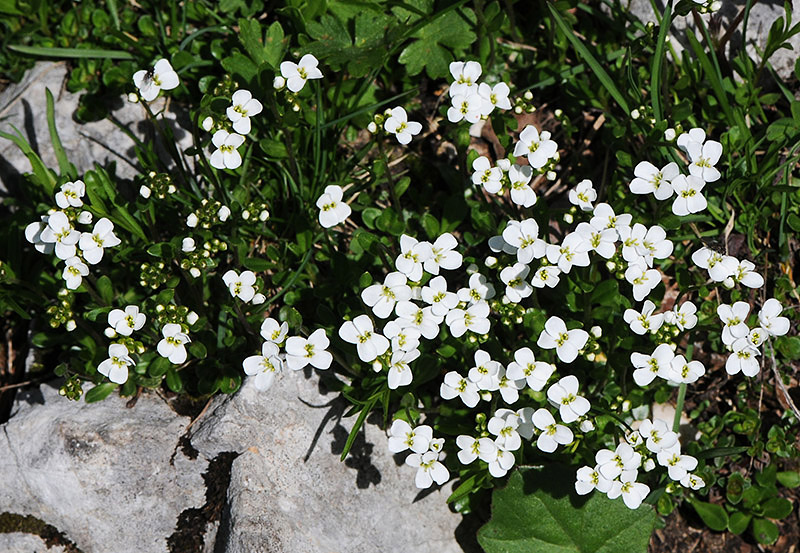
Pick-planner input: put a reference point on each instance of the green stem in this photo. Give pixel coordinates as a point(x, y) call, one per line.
point(676, 423)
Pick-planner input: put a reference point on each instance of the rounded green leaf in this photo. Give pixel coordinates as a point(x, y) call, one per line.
point(712, 514)
point(777, 508)
point(765, 531)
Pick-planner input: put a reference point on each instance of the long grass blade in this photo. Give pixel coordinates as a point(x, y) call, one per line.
point(47, 52)
point(64, 166)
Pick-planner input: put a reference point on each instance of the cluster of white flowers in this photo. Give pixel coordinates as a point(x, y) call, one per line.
point(702, 156)
point(742, 340)
point(616, 471)
point(56, 233)
point(472, 101)
point(298, 353)
point(426, 451)
point(727, 269)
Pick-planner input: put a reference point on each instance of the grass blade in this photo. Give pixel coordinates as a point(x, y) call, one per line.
point(43, 51)
point(43, 176)
point(658, 61)
point(64, 166)
point(590, 60)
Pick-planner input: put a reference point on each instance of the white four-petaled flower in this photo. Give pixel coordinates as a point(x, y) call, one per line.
point(332, 210)
point(172, 345)
point(116, 366)
point(150, 83)
point(296, 74)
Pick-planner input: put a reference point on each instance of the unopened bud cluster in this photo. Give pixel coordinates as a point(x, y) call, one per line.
point(153, 275)
point(255, 210)
point(159, 185)
point(61, 313)
point(209, 214)
point(71, 389)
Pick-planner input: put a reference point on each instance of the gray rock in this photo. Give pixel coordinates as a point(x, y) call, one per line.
point(17, 542)
point(762, 16)
point(23, 105)
point(99, 473)
point(290, 493)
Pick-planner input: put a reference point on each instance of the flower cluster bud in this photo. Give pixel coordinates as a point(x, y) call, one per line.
point(209, 214)
point(159, 185)
point(71, 389)
point(61, 313)
point(153, 275)
point(172, 313)
point(196, 261)
point(255, 211)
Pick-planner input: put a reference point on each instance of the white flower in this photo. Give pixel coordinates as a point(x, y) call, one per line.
point(383, 297)
point(538, 148)
point(70, 194)
point(443, 255)
point(573, 250)
point(657, 434)
point(403, 338)
point(466, 105)
point(603, 241)
point(677, 465)
point(296, 74)
point(92, 244)
point(399, 371)
point(399, 125)
point(757, 336)
point(423, 319)
point(745, 274)
point(485, 373)
point(301, 351)
point(188, 245)
point(693, 135)
point(33, 234)
point(770, 320)
point(456, 385)
point(524, 236)
point(692, 481)
point(551, 434)
point(632, 246)
point(74, 271)
point(632, 492)
point(60, 232)
point(486, 175)
point(644, 280)
point(273, 331)
point(479, 289)
point(703, 157)
point(646, 321)
point(412, 255)
point(719, 266)
point(654, 245)
point(494, 97)
point(332, 210)
point(514, 279)
point(504, 425)
point(589, 479)
point(583, 195)
point(128, 321)
point(172, 345)
point(226, 155)
point(402, 437)
point(115, 368)
point(683, 317)
point(650, 366)
point(508, 387)
point(604, 217)
point(567, 343)
point(502, 463)
point(611, 464)
point(564, 395)
point(475, 448)
point(521, 193)
point(689, 197)
point(649, 180)
point(85, 218)
point(429, 469)
point(192, 220)
point(743, 358)
point(150, 83)
point(465, 76)
point(242, 107)
point(684, 372)
point(546, 275)
point(526, 367)
point(240, 286)
point(265, 366)
point(475, 319)
point(735, 319)
point(369, 343)
point(223, 213)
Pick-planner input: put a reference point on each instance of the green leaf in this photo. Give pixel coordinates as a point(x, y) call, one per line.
point(782, 130)
point(72, 52)
point(64, 166)
point(250, 37)
point(362, 416)
point(734, 488)
point(10, 7)
point(739, 521)
point(100, 392)
point(777, 508)
point(257, 265)
point(105, 289)
point(538, 512)
point(789, 347)
point(43, 176)
point(431, 225)
point(361, 55)
point(712, 514)
point(765, 531)
point(241, 66)
point(767, 476)
point(174, 381)
point(789, 478)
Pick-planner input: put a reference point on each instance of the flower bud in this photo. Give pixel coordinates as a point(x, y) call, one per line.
point(85, 218)
point(669, 134)
point(596, 331)
point(372, 127)
point(528, 95)
point(568, 218)
point(191, 318)
point(133, 98)
point(558, 113)
point(258, 299)
point(195, 272)
point(278, 82)
point(587, 426)
point(263, 216)
point(110, 332)
point(626, 406)
point(223, 213)
point(635, 114)
point(192, 220)
point(551, 176)
point(728, 283)
point(649, 465)
point(491, 261)
point(70, 325)
point(208, 123)
point(144, 192)
point(187, 245)
point(472, 269)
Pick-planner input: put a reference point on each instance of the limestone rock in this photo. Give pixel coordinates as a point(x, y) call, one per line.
point(290, 493)
point(99, 473)
point(17, 542)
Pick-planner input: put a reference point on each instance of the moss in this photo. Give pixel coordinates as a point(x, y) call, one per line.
point(27, 524)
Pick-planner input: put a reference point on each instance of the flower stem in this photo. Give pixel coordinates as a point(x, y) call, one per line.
point(676, 423)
